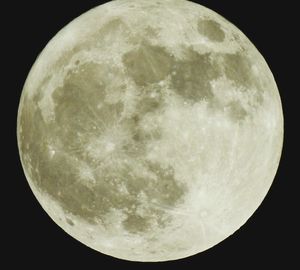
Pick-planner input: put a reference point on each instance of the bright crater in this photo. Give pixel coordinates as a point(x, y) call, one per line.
point(150, 130)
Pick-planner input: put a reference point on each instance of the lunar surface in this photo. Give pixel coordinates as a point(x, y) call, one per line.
point(150, 130)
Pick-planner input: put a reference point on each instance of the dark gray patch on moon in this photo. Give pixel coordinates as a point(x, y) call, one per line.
point(168, 191)
point(135, 223)
point(211, 29)
point(110, 28)
point(236, 111)
point(76, 105)
point(237, 68)
point(191, 77)
point(164, 189)
point(148, 64)
point(146, 105)
point(70, 222)
point(142, 136)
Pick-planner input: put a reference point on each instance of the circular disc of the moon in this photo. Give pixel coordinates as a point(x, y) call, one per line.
point(150, 130)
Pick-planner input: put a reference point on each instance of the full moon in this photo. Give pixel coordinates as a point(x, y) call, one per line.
point(150, 130)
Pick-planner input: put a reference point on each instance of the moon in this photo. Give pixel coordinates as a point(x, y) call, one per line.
point(150, 130)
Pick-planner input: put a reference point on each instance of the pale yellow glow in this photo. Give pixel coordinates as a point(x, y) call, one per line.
point(150, 130)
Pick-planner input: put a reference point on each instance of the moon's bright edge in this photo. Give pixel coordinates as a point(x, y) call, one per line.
point(150, 130)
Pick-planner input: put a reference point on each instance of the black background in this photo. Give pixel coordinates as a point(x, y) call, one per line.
point(35, 241)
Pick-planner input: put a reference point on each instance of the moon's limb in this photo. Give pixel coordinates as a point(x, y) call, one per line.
point(150, 139)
